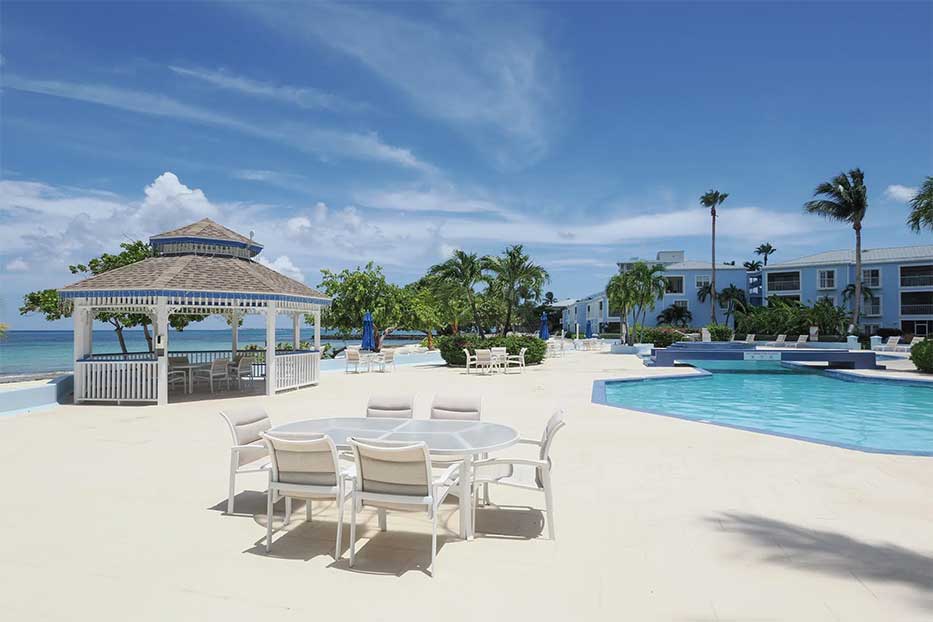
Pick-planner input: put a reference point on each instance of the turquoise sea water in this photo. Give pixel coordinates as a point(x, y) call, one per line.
point(38, 351)
point(810, 405)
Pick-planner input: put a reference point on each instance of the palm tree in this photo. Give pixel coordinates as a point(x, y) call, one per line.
point(921, 207)
point(519, 277)
point(649, 284)
point(675, 315)
point(849, 292)
point(732, 298)
point(549, 299)
point(845, 199)
point(464, 271)
point(712, 200)
point(764, 250)
point(752, 266)
point(621, 293)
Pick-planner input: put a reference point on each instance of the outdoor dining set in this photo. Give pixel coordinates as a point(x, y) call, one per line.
point(489, 360)
point(388, 460)
point(217, 371)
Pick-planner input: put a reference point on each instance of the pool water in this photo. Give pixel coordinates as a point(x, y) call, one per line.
point(764, 396)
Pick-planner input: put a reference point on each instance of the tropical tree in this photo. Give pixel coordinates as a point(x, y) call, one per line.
point(921, 208)
point(845, 199)
point(732, 298)
point(519, 279)
point(452, 305)
point(848, 293)
point(752, 266)
point(675, 315)
point(622, 296)
point(765, 250)
point(712, 200)
point(3, 330)
point(705, 291)
point(354, 292)
point(548, 299)
point(463, 271)
point(421, 310)
point(649, 284)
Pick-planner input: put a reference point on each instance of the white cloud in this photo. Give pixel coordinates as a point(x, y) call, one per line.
point(169, 202)
point(324, 142)
point(303, 97)
point(899, 193)
point(441, 200)
point(283, 265)
point(494, 79)
point(17, 264)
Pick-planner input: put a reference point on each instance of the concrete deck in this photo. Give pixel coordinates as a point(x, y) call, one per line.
point(115, 513)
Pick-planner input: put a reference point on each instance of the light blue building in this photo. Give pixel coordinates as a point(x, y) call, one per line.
point(900, 280)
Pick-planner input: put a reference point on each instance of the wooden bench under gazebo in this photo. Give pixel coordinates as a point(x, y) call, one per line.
point(200, 269)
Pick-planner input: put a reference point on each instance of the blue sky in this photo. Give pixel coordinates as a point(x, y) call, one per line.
point(342, 133)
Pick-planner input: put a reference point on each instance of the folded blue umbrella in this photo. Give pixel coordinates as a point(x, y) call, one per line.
point(369, 338)
point(544, 333)
point(589, 330)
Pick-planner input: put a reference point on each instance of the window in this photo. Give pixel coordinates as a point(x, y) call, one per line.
point(702, 280)
point(830, 299)
point(680, 303)
point(871, 329)
point(871, 277)
point(873, 307)
point(675, 285)
point(783, 281)
point(827, 279)
point(795, 297)
point(916, 276)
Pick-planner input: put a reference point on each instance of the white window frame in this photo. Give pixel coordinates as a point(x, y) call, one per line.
point(880, 308)
point(878, 270)
point(683, 285)
point(819, 278)
point(829, 297)
point(685, 305)
point(707, 279)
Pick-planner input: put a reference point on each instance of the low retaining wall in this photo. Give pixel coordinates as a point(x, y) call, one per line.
point(29, 398)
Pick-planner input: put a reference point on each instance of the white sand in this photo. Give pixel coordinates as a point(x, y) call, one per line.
point(113, 513)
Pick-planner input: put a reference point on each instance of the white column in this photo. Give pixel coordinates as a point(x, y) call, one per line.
point(88, 330)
point(317, 327)
point(270, 348)
point(296, 330)
point(162, 328)
point(235, 327)
point(80, 326)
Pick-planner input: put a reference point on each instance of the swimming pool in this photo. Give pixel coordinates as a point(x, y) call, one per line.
point(764, 396)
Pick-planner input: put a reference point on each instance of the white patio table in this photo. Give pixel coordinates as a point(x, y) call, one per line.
point(447, 438)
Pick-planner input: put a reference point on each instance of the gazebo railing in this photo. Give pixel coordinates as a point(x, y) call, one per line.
point(296, 368)
point(116, 381)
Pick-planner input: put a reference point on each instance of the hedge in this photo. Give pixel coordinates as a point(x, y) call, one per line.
point(922, 356)
point(719, 332)
point(451, 347)
point(660, 337)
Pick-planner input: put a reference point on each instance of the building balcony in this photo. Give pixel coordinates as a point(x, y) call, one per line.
point(919, 280)
point(921, 309)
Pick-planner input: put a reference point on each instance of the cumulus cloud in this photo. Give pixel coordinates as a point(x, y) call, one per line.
point(17, 264)
point(284, 265)
point(169, 202)
point(899, 193)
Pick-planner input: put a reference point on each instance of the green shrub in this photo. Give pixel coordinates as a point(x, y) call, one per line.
point(659, 336)
point(922, 356)
point(719, 332)
point(451, 347)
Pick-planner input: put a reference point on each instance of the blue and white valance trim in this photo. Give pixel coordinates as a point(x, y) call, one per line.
point(193, 297)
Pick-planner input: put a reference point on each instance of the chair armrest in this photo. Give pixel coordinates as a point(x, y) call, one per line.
point(447, 477)
point(519, 461)
point(529, 441)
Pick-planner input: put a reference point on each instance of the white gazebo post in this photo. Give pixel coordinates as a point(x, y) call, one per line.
point(270, 348)
point(78, 315)
point(162, 349)
point(317, 327)
point(235, 327)
point(296, 331)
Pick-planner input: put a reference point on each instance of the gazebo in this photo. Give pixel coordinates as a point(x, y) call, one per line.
point(203, 268)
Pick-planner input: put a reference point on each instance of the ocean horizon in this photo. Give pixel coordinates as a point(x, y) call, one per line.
point(45, 351)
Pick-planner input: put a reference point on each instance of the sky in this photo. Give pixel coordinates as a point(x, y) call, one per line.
point(344, 133)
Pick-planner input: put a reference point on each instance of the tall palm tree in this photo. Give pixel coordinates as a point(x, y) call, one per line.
point(649, 284)
point(764, 250)
point(712, 200)
point(752, 266)
point(519, 277)
point(921, 208)
point(464, 271)
point(845, 199)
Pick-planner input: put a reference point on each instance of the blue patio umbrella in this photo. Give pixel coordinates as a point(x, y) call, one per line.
point(369, 339)
point(589, 330)
point(543, 332)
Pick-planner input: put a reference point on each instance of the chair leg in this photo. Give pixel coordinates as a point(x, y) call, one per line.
point(549, 502)
point(288, 511)
point(269, 520)
point(308, 510)
point(434, 542)
point(340, 501)
point(382, 520)
point(352, 529)
point(231, 494)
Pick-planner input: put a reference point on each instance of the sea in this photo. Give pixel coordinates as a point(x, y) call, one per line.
point(24, 352)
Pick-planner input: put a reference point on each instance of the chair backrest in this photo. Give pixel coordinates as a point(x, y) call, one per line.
point(801, 338)
point(521, 353)
point(353, 355)
point(469, 357)
point(388, 356)
point(554, 424)
point(391, 468)
point(499, 351)
point(177, 360)
point(706, 334)
point(245, 364)
point(458, 407)
point(246, 423)
point(893, 341)
point(219, 366)
point(781, 338)
point(400, 406)
point(309, 460)
point(750, 338)
point(483, 356)
point(915, 341)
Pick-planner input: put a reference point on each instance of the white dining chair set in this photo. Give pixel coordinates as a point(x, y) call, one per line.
point(219, 372)
point(368, 361)
point(489, 360)
point(385, 475)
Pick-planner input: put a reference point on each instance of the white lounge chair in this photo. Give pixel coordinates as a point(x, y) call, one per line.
point(306, 468)
point(470, 359)
point(248, 453)
point(780, 341)
point(801, 341)
point(506, 471)
point(890, 345)
point(706, 336)
point(398, 406)
point(392, 476)
point(517, 359)
point(908, 346)
point(750, 338)
point(217, 371)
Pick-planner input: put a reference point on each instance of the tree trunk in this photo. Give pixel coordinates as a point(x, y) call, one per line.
point(430, 340)
point(119, 330)
point(455, 327)
point(148, 336)
point(712, 298)
point(857, 306)
point(508, 317)
point(479, 327)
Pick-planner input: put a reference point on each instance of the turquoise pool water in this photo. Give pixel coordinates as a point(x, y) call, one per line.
point(809, 405)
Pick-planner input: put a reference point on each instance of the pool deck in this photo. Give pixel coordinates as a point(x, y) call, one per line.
point(657, 518)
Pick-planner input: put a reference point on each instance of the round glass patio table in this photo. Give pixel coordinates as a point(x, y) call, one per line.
point(444, 437)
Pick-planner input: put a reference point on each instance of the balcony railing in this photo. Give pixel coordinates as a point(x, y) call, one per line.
point(919, 280)
point(924, 309)
point(783, 285)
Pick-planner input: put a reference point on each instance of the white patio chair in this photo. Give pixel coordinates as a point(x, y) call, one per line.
point(908, 346)
point(499, 356)
point(398, 406)
point(356, 360)
point(244, 369)
point(217, 371)
point(484, 360)
point(470, 359)
point(306, 468)
point(398, 477)
point(780, 341)
point(801, 340)
point(517, 359)
point(248, 453)
point(508, 471)
point(386, 358)
point(457, 407)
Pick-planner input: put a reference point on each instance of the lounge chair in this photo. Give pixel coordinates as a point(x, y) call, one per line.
point(750, 338)
point(890, 345)
point(248, 453)
point(392, 476)
point(306, 468)
point(505, 471)
point(780, 341)
point(398, 406)
point(908, 346)
point(801, 341)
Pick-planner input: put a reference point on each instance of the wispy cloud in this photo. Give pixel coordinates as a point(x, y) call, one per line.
point(437, 200)
point(320, 141)
point(495, 80)
point(301, 96)
point(899, 193)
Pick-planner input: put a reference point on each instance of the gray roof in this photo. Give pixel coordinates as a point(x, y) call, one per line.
point(196, 273)
point(206, 229)
point(700, 265)
point(869, 255)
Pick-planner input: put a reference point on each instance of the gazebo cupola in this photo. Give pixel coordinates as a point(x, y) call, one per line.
point(200, 269)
